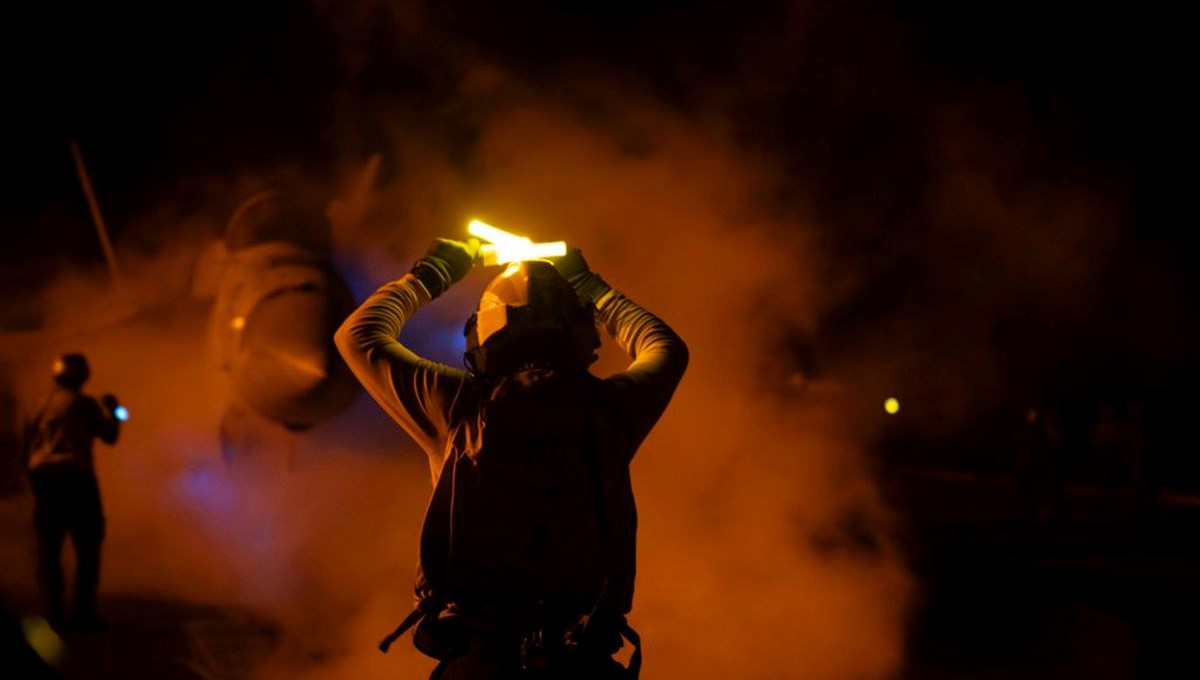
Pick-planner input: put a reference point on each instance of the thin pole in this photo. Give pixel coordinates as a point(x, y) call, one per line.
point(94, 207)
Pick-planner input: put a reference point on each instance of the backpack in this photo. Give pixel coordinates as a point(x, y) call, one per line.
point(522, 515)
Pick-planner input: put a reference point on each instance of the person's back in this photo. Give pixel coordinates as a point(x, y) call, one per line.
point(531, 500)
point(59, 459)
point(528, 546)
point(65, 429)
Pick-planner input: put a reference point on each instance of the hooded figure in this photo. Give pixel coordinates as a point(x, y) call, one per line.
point(528, 546)
point(66, 493)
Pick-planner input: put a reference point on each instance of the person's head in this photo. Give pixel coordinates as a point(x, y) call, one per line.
point(529, 316)
point(71, 370)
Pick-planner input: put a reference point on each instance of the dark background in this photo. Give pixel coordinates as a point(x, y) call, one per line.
point(156, 95)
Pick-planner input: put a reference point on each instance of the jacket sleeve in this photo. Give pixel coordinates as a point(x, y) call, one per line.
point(104, 424)
point(659, 360)
point(417, 393)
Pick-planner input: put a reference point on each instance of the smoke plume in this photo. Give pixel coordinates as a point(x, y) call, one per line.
point(800, 194)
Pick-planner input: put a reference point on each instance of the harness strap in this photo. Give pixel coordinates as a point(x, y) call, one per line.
point(409, 621)
point(433, 607)
point(426, 607)
point(635, 661)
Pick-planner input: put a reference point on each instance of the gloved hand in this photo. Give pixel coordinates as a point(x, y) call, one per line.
point(445, 264)
point(587, 284)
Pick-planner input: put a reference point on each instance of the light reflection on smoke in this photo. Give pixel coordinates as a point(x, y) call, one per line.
point(200, 487)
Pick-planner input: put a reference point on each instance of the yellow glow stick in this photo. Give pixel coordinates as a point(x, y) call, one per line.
point(506, 247)
point(487, 232)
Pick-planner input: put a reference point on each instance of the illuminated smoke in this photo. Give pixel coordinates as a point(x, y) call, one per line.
point(764, 548)
point(763, 543)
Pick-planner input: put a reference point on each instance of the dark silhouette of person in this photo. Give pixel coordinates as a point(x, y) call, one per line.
point(59, 440)
point(527, 551)
point(1136, 459)
point(1107, 433)
point(1040, 463)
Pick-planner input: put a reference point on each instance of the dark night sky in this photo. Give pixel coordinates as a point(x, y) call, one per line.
point(161, 94)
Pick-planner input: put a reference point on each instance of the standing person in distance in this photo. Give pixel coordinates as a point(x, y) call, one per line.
point(62, 475)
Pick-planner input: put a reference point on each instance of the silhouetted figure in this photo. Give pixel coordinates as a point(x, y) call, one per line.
point(1139, 470)
point(1104, 444)
point(1040, 463)
point(527, 550)
point(59, 440)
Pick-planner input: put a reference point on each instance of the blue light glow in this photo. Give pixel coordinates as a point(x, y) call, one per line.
point(201, 487)
point(438, 338)
point(121, 413)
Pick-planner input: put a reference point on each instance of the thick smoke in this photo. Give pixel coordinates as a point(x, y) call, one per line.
point(734, 486)
point(763, 543)
point(803, 189)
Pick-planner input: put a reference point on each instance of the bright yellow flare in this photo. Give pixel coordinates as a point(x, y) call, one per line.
point(506, 247)
point(892, 405)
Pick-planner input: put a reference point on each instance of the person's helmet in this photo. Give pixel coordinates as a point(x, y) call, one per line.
point(530, 316)
point(72, 370)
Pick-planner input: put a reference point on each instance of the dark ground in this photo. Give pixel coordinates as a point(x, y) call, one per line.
point(144, 638)
point(1090, 595)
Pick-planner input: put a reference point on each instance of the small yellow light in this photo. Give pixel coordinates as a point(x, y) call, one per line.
point(892, 405)
point(238, 323)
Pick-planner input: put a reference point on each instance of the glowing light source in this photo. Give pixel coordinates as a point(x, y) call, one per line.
point(891, 405)
point(505, 247)
point(121, 413)
point(43, 640)
point(487, 232)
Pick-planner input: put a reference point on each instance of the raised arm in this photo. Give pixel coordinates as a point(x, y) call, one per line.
point(106, 424)
point(659, 356)
point(416, 392)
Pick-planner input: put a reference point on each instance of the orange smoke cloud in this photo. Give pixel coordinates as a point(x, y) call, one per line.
point(764, 545)
point(745, 566)
point(920, 210)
